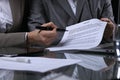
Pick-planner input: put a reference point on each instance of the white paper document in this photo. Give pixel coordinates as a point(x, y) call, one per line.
point(92, 62)
point(37, 64)
point(84, 35)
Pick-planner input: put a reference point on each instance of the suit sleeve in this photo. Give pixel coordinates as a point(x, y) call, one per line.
point(107, 10)
point(37, 14)
point(12, 43)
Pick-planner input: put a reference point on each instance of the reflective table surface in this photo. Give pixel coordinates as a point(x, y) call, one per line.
point(93, 66)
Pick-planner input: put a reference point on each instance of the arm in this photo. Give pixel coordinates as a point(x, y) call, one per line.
point(12, 39)
point(37, 14)
point(107, 16)
point(12, 43)
point(109, 29)
point(43, 37)
point(107, 11)
point(18, 41)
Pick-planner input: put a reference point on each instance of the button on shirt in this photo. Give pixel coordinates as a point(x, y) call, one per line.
point(5, 15)
point(73, 5)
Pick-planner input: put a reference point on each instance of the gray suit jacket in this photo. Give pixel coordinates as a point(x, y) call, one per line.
point(60, 12)
point(10, 39)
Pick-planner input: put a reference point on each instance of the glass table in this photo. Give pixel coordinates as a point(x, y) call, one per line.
point(86, 70)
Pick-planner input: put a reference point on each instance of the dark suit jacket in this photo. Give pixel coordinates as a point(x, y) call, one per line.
point(60, 12)
point(10, 39)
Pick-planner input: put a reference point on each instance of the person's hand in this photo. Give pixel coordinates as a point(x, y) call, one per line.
point(109, 28)
point(43, 37)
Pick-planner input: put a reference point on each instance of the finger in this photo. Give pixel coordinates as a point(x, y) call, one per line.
point(45, 24)
point(105, 19)
point(50, 24)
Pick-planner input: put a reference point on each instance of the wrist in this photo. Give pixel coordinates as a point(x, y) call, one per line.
point(29, 37)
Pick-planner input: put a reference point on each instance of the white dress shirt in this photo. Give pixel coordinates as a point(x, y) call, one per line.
point(73, 5)
point(5, 15)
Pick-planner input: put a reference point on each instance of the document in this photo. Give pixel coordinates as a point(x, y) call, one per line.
point(92, 62)
point(37, 64)
point(85, 35)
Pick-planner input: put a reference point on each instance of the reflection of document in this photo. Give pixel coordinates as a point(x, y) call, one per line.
point(37, 64)
point(84, 35)
point(88, 61)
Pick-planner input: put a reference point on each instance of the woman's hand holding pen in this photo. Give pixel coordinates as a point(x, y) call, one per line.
point(43, 37)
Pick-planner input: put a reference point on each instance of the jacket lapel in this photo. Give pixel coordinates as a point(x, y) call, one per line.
point(14, 10)
point(80, 5)
point(65, 5)
point(17, 10)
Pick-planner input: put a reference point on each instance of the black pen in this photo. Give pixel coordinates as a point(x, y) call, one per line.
point(49, 28)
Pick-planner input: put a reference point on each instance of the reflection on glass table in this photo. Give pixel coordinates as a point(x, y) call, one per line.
point(116, 39)
point(78, 71)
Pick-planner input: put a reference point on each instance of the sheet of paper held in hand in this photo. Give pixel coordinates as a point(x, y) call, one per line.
point(37, 64)
point(85, 35)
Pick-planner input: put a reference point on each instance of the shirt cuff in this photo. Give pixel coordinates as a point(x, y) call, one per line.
point(27, 42)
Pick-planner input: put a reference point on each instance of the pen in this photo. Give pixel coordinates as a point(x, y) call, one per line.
point(49, 28)
point(13, 59)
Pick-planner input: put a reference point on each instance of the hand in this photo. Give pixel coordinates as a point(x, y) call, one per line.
point(109, 28)
point(43, 37)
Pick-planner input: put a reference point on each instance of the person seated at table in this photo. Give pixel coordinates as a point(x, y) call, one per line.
point(68, 12)
point(64, 13)
point(11, 18)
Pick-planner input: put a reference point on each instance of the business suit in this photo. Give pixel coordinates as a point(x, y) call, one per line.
point(10, 38)
point(60, 12)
